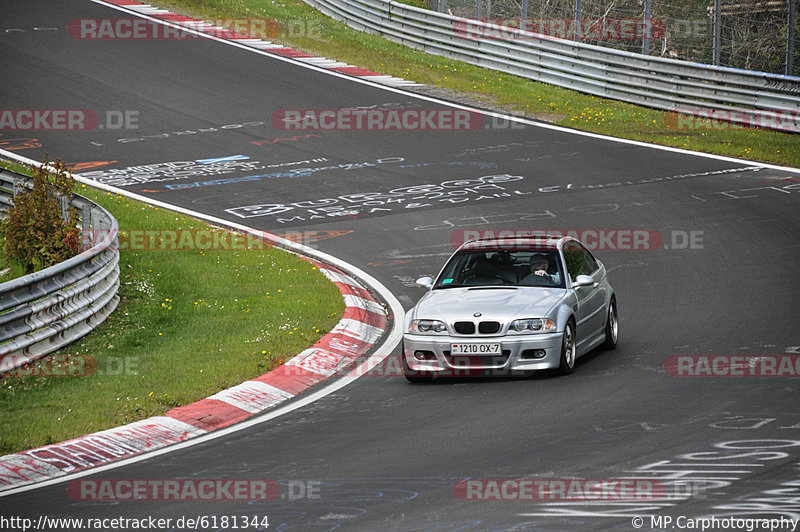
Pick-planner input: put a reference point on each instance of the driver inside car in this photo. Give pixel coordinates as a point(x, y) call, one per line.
point(539, 275)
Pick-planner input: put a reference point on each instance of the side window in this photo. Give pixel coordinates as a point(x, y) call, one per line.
point(579, 260)
point(574, 260)
point(589, 263)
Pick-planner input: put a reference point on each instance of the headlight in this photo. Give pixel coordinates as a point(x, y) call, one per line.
point(529, 325)
point(427, 326)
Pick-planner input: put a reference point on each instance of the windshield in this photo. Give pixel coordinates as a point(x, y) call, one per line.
point(502, 268)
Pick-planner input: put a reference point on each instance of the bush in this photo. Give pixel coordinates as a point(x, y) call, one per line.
point(37, 235)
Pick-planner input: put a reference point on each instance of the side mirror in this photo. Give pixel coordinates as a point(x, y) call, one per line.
point(583, 280)
point(427, 282)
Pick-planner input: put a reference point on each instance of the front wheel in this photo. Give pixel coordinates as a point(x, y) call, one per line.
point(568, 349)
point(612, 326)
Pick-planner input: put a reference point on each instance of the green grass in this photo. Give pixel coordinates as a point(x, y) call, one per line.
point(327, 37)
point(189, 324)
point(9, 269)
point(14, 167)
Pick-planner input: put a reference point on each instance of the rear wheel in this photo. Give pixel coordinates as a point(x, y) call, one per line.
point(568, 350)
point(412, 375)
point(612, 326)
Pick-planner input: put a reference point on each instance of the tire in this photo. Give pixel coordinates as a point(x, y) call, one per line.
point(414, 376)
point(568, 350)
point(612, 327)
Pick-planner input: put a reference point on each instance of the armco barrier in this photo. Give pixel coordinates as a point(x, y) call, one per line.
point(739, 96)
point(47, 310)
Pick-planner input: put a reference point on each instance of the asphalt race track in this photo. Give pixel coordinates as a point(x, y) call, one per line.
point(719, 277)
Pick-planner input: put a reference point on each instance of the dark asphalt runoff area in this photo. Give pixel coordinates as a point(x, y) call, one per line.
point(718, 278)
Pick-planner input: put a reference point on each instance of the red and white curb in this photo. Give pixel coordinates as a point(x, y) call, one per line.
point(259, 44)
point(362, 325)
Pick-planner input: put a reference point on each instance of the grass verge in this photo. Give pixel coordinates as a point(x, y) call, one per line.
point(9, 269)
point(189, 324)
point(309, 30)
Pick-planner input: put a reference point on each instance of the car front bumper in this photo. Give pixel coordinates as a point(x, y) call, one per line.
point(432, 354)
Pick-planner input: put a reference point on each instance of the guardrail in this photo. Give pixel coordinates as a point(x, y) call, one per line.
point(48, 309)
point(740, 96)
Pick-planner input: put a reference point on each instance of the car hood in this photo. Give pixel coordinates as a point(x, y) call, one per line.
point(500, 304)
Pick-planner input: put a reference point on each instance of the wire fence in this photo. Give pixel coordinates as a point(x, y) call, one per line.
point(758, 35)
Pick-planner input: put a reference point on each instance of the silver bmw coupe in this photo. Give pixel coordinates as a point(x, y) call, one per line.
point(509, 306)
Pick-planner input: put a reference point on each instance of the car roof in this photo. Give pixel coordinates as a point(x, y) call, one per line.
point(517, 243)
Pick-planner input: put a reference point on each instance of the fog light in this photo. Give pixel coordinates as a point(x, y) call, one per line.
point(424, 355)
point(534, 353)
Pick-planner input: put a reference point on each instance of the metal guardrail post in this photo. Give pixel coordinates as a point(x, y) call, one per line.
point(717, 32)
point(86, 227)
point(64, 203)
point(478, 9)
point(524, 16)
point(791, 22)
point(648, 28)
point(578, 16)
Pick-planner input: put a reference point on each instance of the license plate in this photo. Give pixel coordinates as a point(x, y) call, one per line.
point(475, 349)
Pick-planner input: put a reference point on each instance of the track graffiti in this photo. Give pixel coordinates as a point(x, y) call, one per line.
point(293, 138)
point(19, 144)
point(176, 170)
point(571, 187)
point(184, 133)
point(695, 475)
point(291, 173)
point(361, 204)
